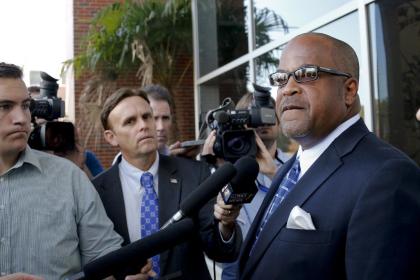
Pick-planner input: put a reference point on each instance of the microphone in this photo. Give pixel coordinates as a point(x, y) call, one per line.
point(242, 188)
point(135, 255)
point(204, 192)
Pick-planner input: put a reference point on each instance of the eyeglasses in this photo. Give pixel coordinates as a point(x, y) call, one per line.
point(303, 74)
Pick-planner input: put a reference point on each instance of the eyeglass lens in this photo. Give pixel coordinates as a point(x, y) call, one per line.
point(301, 75)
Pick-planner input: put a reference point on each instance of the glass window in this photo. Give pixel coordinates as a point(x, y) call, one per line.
point(231, 84)
point(395, 40)
point(222, 32)
point(265, 65)
point(274, 19)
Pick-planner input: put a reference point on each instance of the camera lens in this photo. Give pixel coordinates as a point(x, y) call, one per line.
point(238, 145)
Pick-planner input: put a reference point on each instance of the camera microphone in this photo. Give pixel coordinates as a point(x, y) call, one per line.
point(242, 188)
point(221, 117)
point(204, 192)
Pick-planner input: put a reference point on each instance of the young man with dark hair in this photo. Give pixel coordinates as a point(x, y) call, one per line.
point(52, 221)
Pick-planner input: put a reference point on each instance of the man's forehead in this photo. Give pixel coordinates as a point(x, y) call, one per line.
point(306, 50)
point(160, 107)
point(130, 105)
point(13, 89)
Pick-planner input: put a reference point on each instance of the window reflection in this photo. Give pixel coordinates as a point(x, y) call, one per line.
point(222, 32)
point(232, 84)
point(289, 16)
point(267, 64)
point(395, 35)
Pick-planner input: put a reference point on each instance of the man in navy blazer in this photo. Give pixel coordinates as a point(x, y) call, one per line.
point(356, 202)
point(129, 124)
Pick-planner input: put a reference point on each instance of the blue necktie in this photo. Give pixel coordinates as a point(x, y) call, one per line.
point(286, 185)
point(149, 220)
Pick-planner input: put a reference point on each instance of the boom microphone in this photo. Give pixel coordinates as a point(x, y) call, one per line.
point(242, 188)
point(204, 192)
point(136, 253)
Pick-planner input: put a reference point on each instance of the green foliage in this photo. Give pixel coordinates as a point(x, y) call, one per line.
point(161, 29)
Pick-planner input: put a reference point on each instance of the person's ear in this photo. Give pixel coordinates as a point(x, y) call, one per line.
point(351, 87)
point(110, 137)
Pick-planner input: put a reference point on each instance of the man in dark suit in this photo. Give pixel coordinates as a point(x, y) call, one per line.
point(347, 205)
point(133, 202)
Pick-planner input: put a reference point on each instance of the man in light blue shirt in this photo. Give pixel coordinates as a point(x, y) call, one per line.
point(269, 158)
point(52, 221)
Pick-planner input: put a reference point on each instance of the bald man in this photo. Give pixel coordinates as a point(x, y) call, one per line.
point(347, 205)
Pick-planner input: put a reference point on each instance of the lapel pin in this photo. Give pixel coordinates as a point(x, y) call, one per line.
point(173, 181)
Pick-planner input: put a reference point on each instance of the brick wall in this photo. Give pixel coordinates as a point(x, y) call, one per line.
point(183, 94)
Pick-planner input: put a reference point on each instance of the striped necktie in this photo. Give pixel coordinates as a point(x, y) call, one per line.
point(286, 185)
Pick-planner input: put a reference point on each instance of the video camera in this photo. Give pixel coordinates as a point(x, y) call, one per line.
point(233, 139)
point(51, 135)
point(47, 106)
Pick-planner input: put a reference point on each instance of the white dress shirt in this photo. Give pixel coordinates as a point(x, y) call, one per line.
point(133, 193)
point(309, 156)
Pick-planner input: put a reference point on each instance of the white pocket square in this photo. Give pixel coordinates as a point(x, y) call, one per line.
point(299, 219)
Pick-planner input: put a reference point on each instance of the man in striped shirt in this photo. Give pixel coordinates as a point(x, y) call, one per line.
point(52, 221)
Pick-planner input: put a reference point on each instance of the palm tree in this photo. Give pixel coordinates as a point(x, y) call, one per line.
point(133, 36)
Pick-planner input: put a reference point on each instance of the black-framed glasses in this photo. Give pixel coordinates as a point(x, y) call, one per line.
point(303, 74)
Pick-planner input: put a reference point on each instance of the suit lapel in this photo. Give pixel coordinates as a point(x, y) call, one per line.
point(116, 207)
point(258, 217)
point(169, 195)
point(318, 173)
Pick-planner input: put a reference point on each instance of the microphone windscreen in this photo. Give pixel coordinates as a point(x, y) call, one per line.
point(247, 170)
point(137, 253)
point(221, 117)
point(208, 189)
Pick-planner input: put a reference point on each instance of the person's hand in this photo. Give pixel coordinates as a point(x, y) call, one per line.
point(208, 145)
point(208, 152)
point(264, 159)
point(176, 150)
point(20, 276)
point(145, 272)
point(226, 214)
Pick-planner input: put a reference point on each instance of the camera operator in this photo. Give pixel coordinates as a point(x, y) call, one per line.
point(269, 159)
point(57, 137)
point(34, 91)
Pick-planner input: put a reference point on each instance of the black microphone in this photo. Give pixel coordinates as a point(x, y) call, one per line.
point(204, 192)
point(135, 255)
point(242, 188)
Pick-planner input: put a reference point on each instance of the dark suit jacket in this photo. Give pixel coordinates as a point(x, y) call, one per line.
point(177, 178)
point(364, 199)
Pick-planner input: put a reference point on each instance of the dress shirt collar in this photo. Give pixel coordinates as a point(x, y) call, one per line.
point(309, 156)
point(27, 156)
point(280, 157)
point(135, 173)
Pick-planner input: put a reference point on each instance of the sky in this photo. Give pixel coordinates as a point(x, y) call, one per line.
point(36, 35)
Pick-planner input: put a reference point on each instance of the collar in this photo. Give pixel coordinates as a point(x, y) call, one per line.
point(309, 156)
point(27, 156)
point(132, 171)
point(280, 157)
